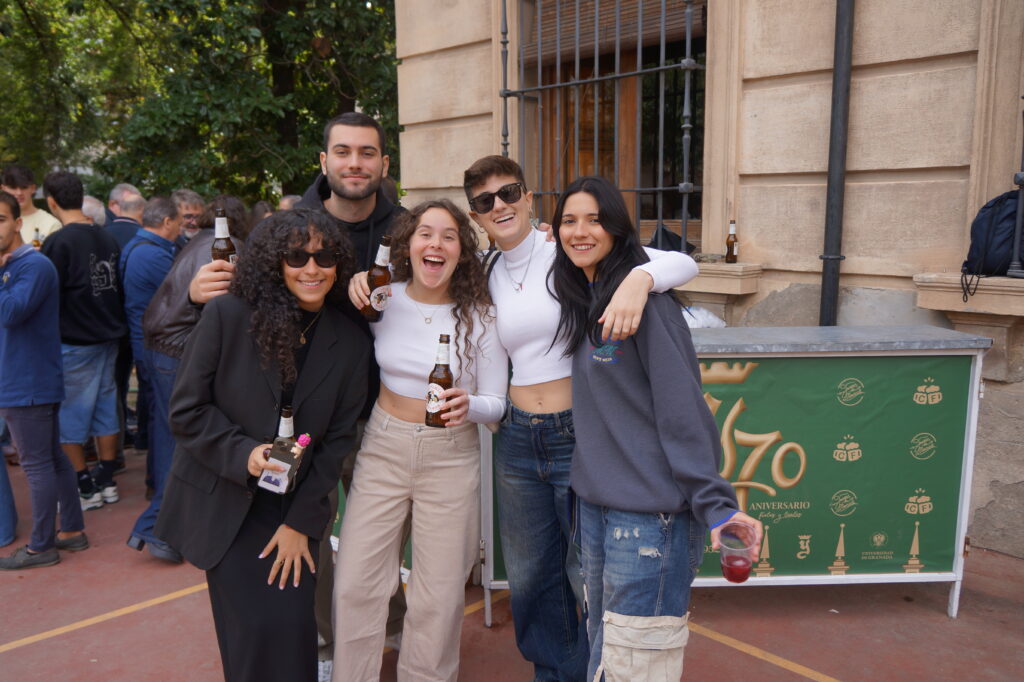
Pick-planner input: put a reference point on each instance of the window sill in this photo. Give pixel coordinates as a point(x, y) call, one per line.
point(995, 295)
point(730, 279)
point(995, 310)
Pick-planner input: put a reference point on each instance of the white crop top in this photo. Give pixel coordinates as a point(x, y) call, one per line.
point(406, 347)
point(528, 318)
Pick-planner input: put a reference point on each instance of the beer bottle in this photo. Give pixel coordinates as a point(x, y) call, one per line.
point(223, 248)
point(439, 380)
point(378, 277)
point(285, 428)
point(37, 242)
point(732, 245)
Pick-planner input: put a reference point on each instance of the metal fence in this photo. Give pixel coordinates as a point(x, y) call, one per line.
point(611, 88)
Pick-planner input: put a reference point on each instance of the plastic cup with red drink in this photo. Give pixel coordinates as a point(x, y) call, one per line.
point(737, 545)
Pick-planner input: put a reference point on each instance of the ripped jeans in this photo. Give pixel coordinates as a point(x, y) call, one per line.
point(637, 569)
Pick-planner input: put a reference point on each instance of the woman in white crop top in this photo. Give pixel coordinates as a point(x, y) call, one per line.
point(404, 466)
point(537, 439)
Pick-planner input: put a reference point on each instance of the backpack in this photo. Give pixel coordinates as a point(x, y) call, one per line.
point(991, 241)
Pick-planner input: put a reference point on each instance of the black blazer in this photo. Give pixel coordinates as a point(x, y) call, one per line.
point(224, 404)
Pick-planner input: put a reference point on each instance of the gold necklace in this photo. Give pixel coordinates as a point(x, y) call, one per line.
point(302, 335)
point(426, 318)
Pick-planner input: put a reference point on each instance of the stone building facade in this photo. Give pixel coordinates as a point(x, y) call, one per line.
point(935, 131)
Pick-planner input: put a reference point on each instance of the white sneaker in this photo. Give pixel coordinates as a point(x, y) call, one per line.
point(94, 501)
point(109, 493)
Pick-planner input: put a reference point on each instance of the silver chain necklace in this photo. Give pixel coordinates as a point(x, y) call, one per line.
point(518, 286)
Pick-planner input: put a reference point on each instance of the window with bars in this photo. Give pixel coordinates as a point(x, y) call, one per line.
point(615, 89)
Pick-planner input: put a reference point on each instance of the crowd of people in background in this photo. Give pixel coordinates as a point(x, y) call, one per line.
point(92, 295)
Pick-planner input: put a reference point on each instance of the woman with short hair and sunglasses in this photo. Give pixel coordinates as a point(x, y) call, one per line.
point(270, 342)
point(404, 466)
point(537, 436)
point(648, 452)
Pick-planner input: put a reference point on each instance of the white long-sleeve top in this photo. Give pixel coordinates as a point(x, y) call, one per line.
point(528, 318)
point(406, 349)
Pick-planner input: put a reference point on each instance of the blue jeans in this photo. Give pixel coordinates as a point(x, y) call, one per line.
point(49, 474)
point(535, 518)
point(638, 569)
point(160, 370)
point(8, 513)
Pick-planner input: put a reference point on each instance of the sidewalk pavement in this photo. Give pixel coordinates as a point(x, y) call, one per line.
point(110, 613)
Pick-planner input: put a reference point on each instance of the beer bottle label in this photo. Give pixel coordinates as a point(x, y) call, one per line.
point(383, 256)
point(220, 228)
point(736, 249)
point(434, 399)
point(379, 297)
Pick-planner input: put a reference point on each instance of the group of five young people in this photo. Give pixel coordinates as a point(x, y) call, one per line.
point(589, 344)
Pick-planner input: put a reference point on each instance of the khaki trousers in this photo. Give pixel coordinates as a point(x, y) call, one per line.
point(433, 473)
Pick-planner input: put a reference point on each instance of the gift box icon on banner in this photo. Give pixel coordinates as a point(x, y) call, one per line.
point(918, 503)
point(847, 451)
point(928, 393)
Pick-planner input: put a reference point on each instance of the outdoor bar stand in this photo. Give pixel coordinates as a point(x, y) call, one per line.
point(854, 446)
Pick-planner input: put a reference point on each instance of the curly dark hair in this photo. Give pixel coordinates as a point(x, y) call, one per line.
point(468, 286)
point(260, 283)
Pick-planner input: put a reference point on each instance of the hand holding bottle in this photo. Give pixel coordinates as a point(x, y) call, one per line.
point(210, 281)
point(258, 460)
point(455, 406)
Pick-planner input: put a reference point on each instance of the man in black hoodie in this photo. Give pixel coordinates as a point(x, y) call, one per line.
point(353, 164)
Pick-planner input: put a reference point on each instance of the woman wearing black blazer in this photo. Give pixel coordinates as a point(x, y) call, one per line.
point(270, 342)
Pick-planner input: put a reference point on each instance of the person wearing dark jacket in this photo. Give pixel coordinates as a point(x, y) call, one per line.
point(270, 342)
point(351, 190)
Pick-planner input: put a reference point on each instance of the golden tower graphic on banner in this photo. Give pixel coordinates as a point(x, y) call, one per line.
point(914, 565)
point(839, 566)
point(764, 567)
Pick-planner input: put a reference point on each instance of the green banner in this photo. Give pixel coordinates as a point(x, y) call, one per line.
point(853, 464)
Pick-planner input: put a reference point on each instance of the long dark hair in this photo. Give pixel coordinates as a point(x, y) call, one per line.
point(581, 302)
point(259, 280)
point(468, 285)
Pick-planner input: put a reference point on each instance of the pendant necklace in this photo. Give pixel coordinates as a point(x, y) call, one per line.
point(302, 334)
point(426, 318)
point(518, 286)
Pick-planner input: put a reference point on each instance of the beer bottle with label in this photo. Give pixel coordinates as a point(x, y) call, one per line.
point(379, 279)
point(439, 380)
point(223, 248)
point(285, 428)
point(732, 245)
point(37, 242)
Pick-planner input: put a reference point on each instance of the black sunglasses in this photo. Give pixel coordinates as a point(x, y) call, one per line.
point(510, 194)
point(297, 258)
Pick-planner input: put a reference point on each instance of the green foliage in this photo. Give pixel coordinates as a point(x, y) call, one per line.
point(216, 95)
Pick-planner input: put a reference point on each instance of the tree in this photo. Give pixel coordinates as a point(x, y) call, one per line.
point(71, 71)
point(242, 105)
point(216, 95)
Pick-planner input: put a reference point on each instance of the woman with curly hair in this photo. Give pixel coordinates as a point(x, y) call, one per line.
point(270, 342)
point(438, 287)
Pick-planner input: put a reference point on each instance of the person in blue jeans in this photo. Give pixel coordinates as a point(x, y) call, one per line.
point(8, 512)
point(647, 450)
point(145, 261)
point(536, 436)
point(31, 389)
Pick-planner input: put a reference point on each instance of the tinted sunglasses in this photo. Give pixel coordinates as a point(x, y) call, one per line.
point(297, 258)
point(510, 194)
